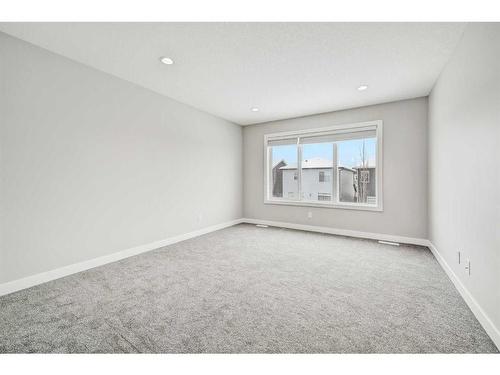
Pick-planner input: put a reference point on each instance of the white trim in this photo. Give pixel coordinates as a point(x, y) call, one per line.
point(480, 314)
point(379, 193)
point(299, 173)
point(376, 124)
point(345, 205)
point(482, 317)
point(388, 243)
point(40, 278)
point(345, 127)
point(340, 232)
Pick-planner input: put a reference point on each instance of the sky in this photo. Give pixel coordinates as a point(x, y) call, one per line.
point(348, 152)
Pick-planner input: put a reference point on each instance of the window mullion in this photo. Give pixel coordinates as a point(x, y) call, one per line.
point(299, 168)
point(335, 176)
point(269, 165)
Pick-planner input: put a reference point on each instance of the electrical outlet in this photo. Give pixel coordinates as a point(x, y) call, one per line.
point(458, 254)
point(467, 267)
point(309, 215)
point(200, 218)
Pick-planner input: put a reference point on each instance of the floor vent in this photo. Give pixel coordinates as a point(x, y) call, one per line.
point(389, 243)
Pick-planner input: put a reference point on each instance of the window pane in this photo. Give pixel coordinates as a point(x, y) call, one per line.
point(324, 197)
point(317, 171)
point(357, 170)
point(284, 182)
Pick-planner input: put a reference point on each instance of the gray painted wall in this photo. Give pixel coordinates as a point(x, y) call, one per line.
point(404, 168)
point(91, 164)
point(464, 135)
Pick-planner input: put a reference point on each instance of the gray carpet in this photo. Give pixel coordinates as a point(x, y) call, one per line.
point(249, 289)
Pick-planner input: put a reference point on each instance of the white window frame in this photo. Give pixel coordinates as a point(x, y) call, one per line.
point(334, 203)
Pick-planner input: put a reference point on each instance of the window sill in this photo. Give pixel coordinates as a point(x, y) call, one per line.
point(347, 206)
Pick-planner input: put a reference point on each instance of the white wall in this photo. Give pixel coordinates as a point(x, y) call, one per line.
point(311, 186)
point(404, 168)
point(91, 164)
point(464, 164)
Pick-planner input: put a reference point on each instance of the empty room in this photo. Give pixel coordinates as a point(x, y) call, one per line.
point(249, 187)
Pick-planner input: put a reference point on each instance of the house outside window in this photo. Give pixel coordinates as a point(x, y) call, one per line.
point(324, 176)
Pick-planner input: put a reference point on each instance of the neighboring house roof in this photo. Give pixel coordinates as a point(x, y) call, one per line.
point(361, 167)
point(278, 163)
point(318, 163)
point(313, 163)
point(347, 169)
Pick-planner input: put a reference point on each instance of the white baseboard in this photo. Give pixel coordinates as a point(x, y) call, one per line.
point(480, 314)
point(482, 317)
point(340, 232)
point(40, 278)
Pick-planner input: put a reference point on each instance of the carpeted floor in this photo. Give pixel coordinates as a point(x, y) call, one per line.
point(250, 289)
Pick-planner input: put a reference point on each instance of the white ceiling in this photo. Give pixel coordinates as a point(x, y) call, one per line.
point(284, 69)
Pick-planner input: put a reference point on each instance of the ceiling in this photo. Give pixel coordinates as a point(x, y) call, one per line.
point(285, 69)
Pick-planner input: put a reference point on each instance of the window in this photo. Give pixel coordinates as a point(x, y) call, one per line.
point(324, 176)
point(324, 197)
point(284, 179)
point(329, 167)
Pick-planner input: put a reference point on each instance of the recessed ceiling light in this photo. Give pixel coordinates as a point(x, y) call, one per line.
point(362, 88)
point(254, 109)
point(166, 60)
